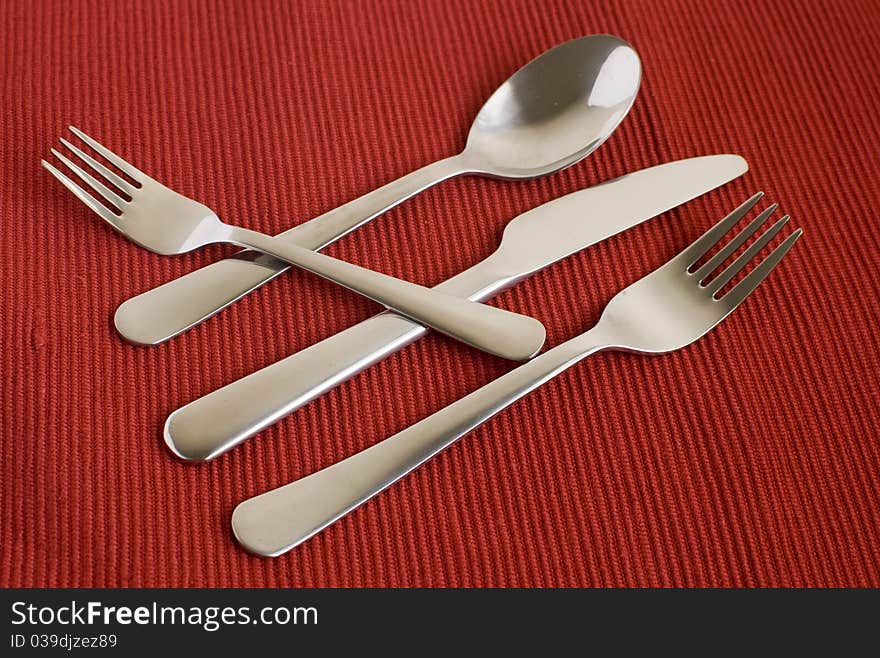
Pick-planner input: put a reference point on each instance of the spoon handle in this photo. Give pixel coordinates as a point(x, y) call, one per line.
point(170, 309)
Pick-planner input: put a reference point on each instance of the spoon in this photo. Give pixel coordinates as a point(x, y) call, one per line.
point(550, 114)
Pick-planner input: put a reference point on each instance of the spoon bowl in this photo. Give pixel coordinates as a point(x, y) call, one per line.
point(555, 110)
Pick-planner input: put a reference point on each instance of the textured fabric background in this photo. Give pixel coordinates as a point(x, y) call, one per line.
point(748, 459)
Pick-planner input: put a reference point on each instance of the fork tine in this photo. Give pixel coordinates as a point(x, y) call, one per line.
point(742, 289)
point(131, 170)
point(734, 268)
point(709, 266)
point(92, 182)
point(118, 181)
point(84, 196)
point(711, 237)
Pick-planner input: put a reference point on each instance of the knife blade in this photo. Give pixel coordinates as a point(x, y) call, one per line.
point(215, 423)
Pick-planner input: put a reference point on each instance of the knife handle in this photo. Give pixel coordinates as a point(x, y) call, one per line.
point(209, 426)
point(159, 314)
point(214, 423)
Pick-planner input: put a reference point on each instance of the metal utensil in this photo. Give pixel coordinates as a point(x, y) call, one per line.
point(668, 309)
point(215, 423)
point(165, 222)
point(551, 113)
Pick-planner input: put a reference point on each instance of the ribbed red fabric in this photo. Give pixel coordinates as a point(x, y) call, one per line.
point(749, 459)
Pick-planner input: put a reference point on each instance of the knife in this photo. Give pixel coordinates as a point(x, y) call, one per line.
point(215, 423)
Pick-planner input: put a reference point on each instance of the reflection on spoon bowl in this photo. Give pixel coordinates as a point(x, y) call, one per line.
point(555, 110)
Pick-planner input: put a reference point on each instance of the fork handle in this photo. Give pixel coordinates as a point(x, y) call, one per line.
point(159, 314)
point(494, 330)
point(274, 522)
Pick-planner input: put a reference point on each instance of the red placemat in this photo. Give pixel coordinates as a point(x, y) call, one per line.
point(748, 459)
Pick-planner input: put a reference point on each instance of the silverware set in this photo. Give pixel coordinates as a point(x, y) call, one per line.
point(549, 115)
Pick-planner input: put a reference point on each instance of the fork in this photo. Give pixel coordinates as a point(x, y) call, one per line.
point(166, 222)
point(667, 310)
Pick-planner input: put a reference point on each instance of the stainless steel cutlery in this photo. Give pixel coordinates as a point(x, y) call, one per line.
point(550, 114)
point(213, 424)
point(166, 222)
point(667, 310)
